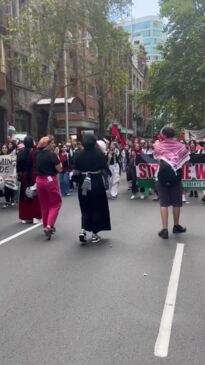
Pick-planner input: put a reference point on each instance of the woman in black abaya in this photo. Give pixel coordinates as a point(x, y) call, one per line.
point(89, 165)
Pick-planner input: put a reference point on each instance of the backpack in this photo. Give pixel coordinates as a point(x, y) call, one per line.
point(167, 176)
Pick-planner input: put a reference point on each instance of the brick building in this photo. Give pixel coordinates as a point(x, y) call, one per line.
point(27, 108)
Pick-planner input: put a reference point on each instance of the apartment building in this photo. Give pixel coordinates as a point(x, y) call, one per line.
point(27, 108)
point(17, 96)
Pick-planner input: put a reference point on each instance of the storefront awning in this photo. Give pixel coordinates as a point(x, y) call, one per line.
point(75, 104)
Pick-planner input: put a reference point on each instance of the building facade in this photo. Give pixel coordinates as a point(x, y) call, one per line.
point(20, 104)
point(149, 32)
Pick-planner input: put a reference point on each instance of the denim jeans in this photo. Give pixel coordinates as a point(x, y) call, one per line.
point(64, 183)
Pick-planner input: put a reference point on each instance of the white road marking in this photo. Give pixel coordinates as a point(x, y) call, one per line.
point(162, 344)
point(19, 233)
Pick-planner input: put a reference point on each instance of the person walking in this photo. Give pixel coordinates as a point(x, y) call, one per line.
point(172, 155)
point(89, 165)
point(114, 166)
point(29, 208)
point(48, 166)
point(8, 192)
point(64, 176)
point(132, 166)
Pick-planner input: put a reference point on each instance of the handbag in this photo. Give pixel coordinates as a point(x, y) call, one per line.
point(31, 191)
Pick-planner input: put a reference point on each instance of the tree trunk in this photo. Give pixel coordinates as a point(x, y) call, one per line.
point(101, 117)
point(50, 126)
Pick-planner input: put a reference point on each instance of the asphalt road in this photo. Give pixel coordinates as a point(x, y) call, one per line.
point(63, 304)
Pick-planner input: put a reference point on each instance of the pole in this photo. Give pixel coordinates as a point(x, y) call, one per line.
point(126, 109)
point(66, 95)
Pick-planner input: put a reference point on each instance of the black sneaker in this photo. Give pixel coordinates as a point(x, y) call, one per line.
point(95, 238)
point(53, 230)
point(179, 229)
point(82, 236)
point(196, 194)
point(164, 234)
point(191, 194)
point(48, 233)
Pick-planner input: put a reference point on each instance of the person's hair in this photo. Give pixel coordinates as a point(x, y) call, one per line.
point(28, 142)
point(45, 141)
point(61, 147)
point(89, 141)
point(193, 141)
point(168, 132)
point(13, 143)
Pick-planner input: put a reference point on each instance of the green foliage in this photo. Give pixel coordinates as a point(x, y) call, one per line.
point(177, 85)
point(44, 29)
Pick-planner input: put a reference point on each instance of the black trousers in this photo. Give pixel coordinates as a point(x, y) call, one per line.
point(9, 194)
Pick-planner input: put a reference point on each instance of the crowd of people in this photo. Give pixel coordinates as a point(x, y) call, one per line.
point(47, 172)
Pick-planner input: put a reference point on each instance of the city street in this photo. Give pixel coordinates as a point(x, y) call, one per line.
point(64, 304)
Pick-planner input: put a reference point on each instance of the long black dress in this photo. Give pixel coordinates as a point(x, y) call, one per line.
point(94, 206)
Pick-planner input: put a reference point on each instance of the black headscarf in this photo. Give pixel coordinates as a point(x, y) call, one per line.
point(89, 141)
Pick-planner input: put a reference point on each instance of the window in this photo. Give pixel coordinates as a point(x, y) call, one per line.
point(91, 90)
point(156, 33)
point(91, 113)
point(139, 26)
point(157, 24)
point(81, 86)
point(16, 67)
point(22, 5)
point(81, 62)
point(146, 33)
point(24, 70)
point(128, 28)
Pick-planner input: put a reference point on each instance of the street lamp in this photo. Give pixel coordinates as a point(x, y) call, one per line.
point(70, 36)
point(126, 108)
point(66, 95)
point(127, 92)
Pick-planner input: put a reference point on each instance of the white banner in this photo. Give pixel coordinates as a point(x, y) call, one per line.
point(8, 171)
point(197, 135)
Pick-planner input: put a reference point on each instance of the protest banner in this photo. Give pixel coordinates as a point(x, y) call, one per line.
point(193, 172)
point(8, 171)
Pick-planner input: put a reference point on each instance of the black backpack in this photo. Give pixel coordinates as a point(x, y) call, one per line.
point(167, 176)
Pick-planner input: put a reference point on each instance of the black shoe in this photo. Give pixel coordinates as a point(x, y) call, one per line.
point(82, 236)
point(203, 199)
point(164, 234)
point(191, 194)
point(179, 229)
point(53, 230)
point(196, 194)
point(48, 233)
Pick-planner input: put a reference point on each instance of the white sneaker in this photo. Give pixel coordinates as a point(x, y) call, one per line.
point(184, 200)
point(36, 221)
point(23, 222)
point(132, 197)
point(95, 238)
point(142, 197)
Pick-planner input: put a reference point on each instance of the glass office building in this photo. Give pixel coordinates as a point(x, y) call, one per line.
point(149, 32)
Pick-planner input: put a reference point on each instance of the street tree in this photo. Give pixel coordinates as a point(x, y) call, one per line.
point(177, 84)
point(44, 29)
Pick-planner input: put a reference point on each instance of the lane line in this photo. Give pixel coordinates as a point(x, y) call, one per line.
point(19, 233)
point(162, 343)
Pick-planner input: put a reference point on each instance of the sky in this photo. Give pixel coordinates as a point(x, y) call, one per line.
point(145, 7)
